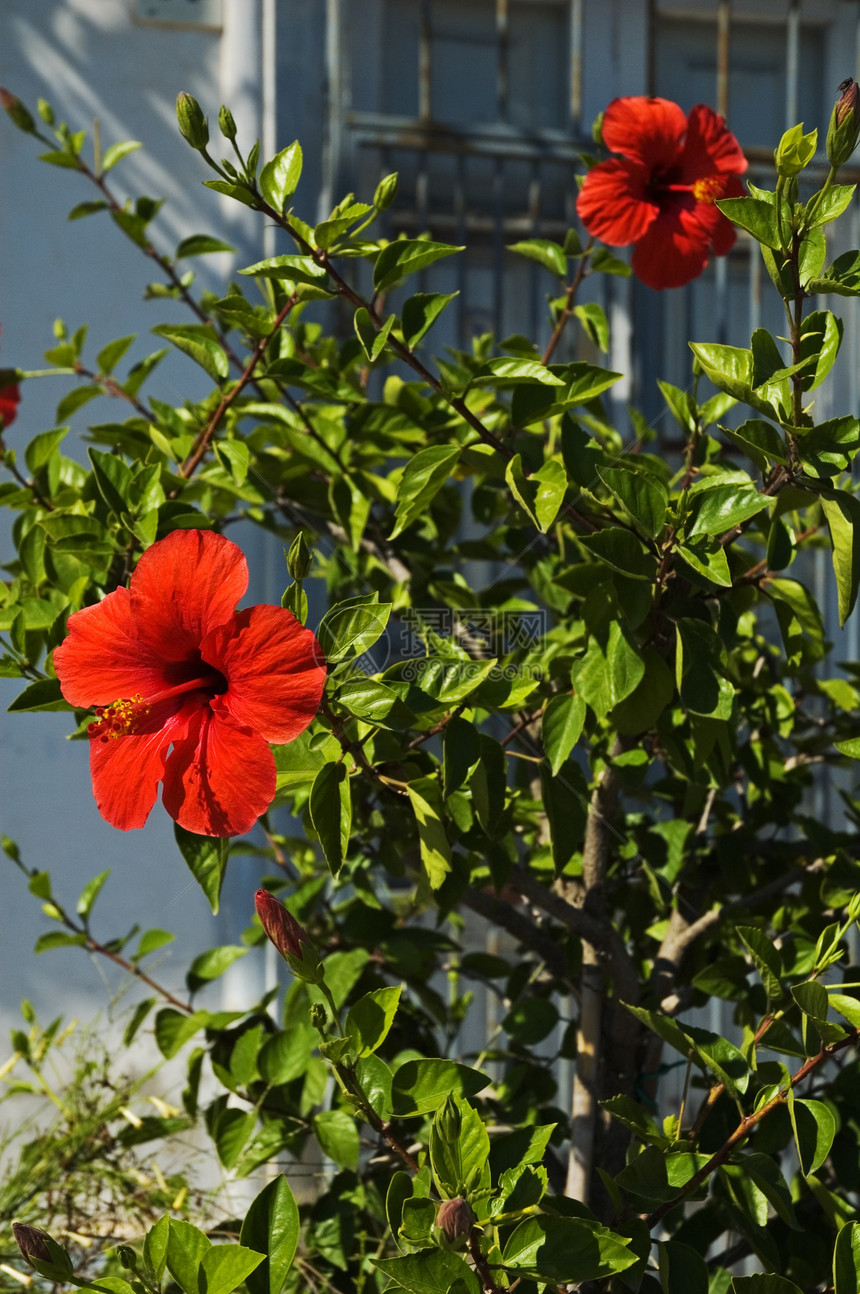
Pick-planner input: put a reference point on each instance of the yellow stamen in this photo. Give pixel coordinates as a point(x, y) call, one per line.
point(708, 189)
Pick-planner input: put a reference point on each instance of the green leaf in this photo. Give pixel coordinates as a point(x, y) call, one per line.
point(338, 1137)
point(814, 1129)
point(830, 447)
point(846, 1259)
point(370, 1018)
point(833, 203)
point(842, 511)
point(764, 1284)
point(429, 1271)
point(757, 217)
point(201, 245)
point(541, 494)
point(420, 1086)
point(459, 1149)
point(292, 269)
point(699, 666)
point(461, 750)
point(683, 1270)
point(186, 1246)
point(86, 209)
point(206, 857)
point(42, 695)
point(508, 371)
point(368, 699)
point(426, 801)
point(565, 800)
point(330, 808)
point(544, 252)
point(422, 479)
point(110, 355)
point(566, 1250)
point(200, 343)
point(231, 1132)
point(842, 277)
point(174, 1028)
point(716, 510)
point(155, 1247)
point(224, 1267)
point(603, 262)
point(595, 324)
point(271, 1227)
point(708, 558)
point(113, 478)
point(622, 552)
point(41, 447)
point(767, 959)
point(420, 312)
point(279, 178)
point(406, 256)
point(561, 727)
point(117, 152)
point(350, 627)
point(90, 893)
point(372, 339)
point(758, 439)
point(642, 496)
point(58, 939)
point(625, 666)
point(212, 963)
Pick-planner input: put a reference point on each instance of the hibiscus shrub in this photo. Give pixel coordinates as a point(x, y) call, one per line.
point(607, 754)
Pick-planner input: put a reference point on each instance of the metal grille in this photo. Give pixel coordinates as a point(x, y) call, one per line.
point(477, 105)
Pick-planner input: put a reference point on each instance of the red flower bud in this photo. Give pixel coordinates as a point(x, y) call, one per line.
point(280, 925)
point(10, 398)
point(18, 114)
point(844, 129)
point(455, 1219)
point(31, 1242)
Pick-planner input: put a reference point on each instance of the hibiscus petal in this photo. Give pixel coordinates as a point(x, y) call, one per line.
point(710, 147)
point(669, 256)
point(183, 586)
point(613, 202)
point(219, 778)
point(126, 770)
point(645, 130)
point(705, 223)
point(275, 670)
point(103, 657)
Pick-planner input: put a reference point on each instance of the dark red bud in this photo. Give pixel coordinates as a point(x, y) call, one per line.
point(848, 100)
point(31, 1242)
point(18, 114)
point(281, 926)
point(455, 1219)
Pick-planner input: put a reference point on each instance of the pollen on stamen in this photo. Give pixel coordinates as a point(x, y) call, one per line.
point(707, 189)
point(118, 719)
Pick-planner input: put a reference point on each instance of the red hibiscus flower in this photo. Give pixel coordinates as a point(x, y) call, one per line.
point(660, 193)
point(10, 398)
point(169, 662)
